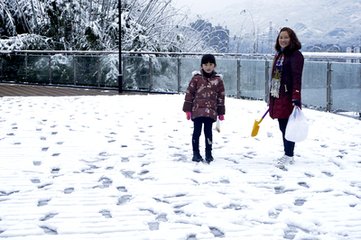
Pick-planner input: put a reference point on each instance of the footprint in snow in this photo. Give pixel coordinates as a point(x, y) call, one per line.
point(274, 213)
point(122, 189)
point(48, 216)
point(35, 180)
point(162, 217)
point(299, 202)
point(282, 189)
point(309, 175)
point(106, 213)
point(153, 226)
point(68, 190)
point(178, 157)
point(191, 237)
point(44, 185)
point(292, 230)
point(105, 182)
point(49, 230)
point(303, 184)
point(55, 170)
point(327, 174)
point(43, 202)
point(124, 199)
point(216, 232)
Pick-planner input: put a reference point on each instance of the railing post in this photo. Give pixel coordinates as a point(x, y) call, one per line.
point(238, 78)
point(26, 67)
point(120, 75)
point(74, 69)
point(178, 74)
point(150, 75)
point(329, 87)
point(50, 71)
point(1, 69)
point(99, 74)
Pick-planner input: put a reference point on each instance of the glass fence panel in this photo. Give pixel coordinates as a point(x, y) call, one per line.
point(136, 73)
point(228, 69)
point(13, 68)
point(346, 86)
point(164, 74)
point(252, 84)
point(87, 70)
point(187, 67)
point(62, 69)
point(36, 70)
point(108, 70)
point(1, 69)
point(314, 84)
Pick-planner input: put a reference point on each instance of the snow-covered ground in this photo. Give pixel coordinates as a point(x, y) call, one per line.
point(118, 167)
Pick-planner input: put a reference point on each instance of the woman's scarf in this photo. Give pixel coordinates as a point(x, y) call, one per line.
point(276, 75)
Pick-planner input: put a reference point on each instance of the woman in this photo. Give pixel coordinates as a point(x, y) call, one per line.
point(285, 86)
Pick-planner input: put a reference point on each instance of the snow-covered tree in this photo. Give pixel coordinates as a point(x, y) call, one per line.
point(70, 24)
point(154, 25)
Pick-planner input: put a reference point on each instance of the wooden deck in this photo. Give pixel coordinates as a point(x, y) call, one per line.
point(7, 89)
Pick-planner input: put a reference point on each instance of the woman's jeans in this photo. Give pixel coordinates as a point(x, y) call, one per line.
point(287, 145)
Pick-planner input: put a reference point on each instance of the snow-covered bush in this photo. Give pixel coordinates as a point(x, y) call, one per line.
point(26, 42)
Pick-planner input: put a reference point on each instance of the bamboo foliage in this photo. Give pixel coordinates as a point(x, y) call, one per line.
point(7, 23)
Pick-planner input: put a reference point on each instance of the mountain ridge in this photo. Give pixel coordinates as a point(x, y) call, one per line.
point(315, 22)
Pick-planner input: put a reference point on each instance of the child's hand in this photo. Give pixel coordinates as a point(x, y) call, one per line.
point(189, 115)
point(221, 117)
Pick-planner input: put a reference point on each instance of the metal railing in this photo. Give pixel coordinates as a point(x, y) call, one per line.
point(331, 81)
point(98, 69)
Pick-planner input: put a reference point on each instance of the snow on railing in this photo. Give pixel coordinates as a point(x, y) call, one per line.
point(318, 55)
point(310, 55)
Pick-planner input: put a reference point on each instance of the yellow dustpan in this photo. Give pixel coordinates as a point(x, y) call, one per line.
point(256, 125)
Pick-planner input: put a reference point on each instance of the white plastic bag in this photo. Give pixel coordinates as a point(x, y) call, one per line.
point(218, 125)
point(297, 126)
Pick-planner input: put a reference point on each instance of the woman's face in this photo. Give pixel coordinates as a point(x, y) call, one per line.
point(284, 39)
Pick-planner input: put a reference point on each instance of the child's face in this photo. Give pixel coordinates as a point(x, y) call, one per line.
point(208, 67)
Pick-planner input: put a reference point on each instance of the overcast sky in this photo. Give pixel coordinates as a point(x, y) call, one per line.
point(203, 6)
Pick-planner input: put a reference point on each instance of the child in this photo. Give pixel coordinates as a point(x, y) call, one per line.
point(204, 101)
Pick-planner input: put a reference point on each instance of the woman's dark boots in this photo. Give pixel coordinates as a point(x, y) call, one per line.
point(197, 156)
point(209, 157)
